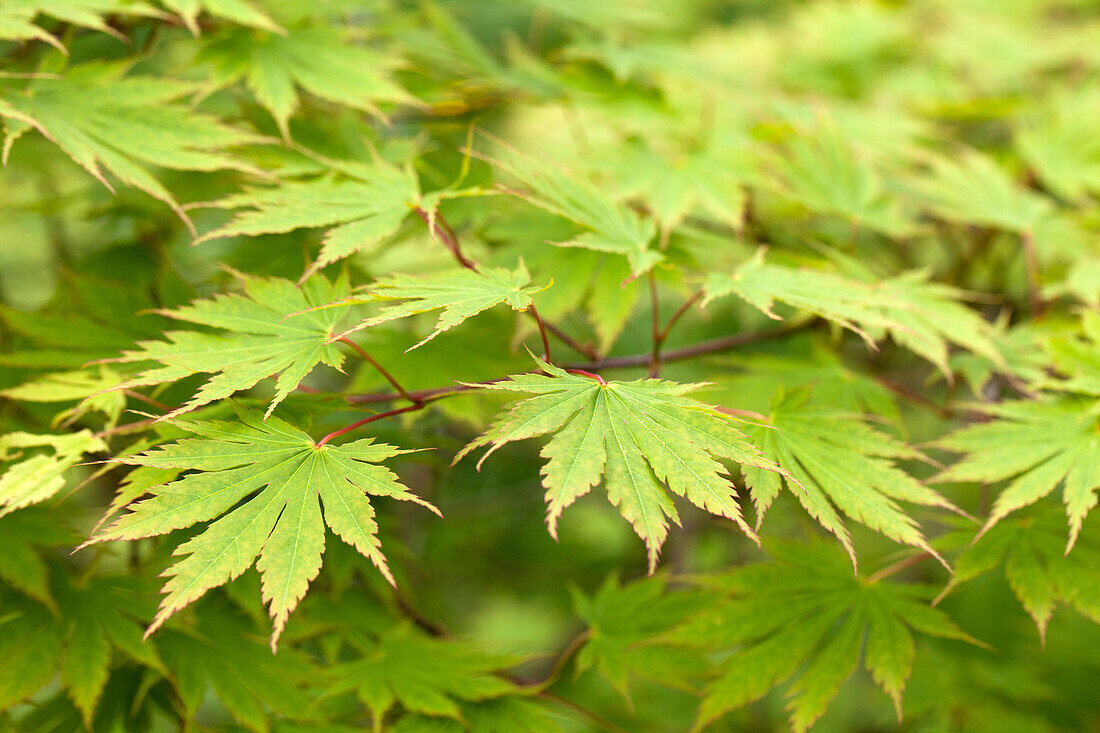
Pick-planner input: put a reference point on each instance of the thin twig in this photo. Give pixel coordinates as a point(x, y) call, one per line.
point(389, 377)
point(655, 356)
point(128, 427)
point(1031, 260)
point(894, 568)
point(542, 332)
point(594, 717)
point(706, 347)
point(146, 399)
point(359, 423)
point(590, 375)
point(441, 229)
point(564, 656)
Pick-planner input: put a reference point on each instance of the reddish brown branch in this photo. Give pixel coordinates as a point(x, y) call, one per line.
point(360, 423)
point(389, 377)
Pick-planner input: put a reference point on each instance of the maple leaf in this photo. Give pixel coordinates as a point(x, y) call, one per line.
point(1031, 548)
point(1039, 446)
point(922, 316)
point(221, 655)
point(823, 173)
point(238, 11)
point(639, 436)
point(806, 615)
point(969, 188)
point(88, 388)
point(283, 478)
point(612, 227)
point(460, 294)
point(108, 122)
point(319, 60)
point(273, 328)
point(363, 208)
point(33, 479)
point(836, 461)
point(391, 670)
point(628, 628)
point(17, 17)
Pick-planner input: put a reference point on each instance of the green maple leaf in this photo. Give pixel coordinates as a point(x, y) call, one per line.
point(101, 618)
point(804, 619)
point(971, 189)
point(611, 226)
point(627, 634)
point(17, 17)
point(31, 477)
point(920, 315)
point(283, 478)
point(1042, 576)
point(221, 655)
point(319, 60)
point(89, 388)
point(1039, 446)
point(123, 125)
point(1075, 357)
point(362, 209)
point(1062, 143)
point(273, 328)
point(237, 11)
point(826, 175)
point(26, 533)
point(838, 461)
point(391, 670)
point(638, 436)
point(459, 294)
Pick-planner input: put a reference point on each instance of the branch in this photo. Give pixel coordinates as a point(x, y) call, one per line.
point(389, 377)
point(442, 230)
point(588, 368)
point(359, 423)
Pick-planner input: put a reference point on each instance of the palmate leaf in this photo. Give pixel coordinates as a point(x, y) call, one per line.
point(17, 17)
point(627, 634)
point(363, 209)
point(1039, 446)
point(1031, 547)
point(920, 315)
point(971, 189)
point(826, 175)
point(273, 328)
point(221, 655)
point(805, 617)
point(838, 461)
point(392, 670)
point(31, 476)
point(612, 227)
point(283, 478)
point(640, 437)
point(459, 294)
point(321, 61)
point(108, 122)
point(243, 12)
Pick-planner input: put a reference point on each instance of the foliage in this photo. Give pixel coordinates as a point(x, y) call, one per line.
point(807, 290)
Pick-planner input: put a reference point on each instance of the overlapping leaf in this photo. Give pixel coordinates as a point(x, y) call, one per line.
point(17, 17)
point(243, 12)
point(920, 315)
point(273, 328)
point(321, 61)
point(108, 122)
point(971, 189)
point(362, 210)
point(804, 619)
point(639, 437)
point(628, 628)
point(823, 173)
point(835, 461)
point(36, 465)
point(459, 294)
point(1040, 446)
point(1042, 575)
point(283, 478)
point(612, 227)
point(392, 671)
